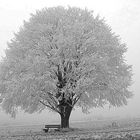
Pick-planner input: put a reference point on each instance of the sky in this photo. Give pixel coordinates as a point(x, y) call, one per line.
point(124, 18)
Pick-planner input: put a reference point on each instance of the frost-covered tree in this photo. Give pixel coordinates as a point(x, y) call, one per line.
point(60, 58)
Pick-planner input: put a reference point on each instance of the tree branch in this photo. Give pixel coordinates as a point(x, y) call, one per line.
point(51, 96)
point(69, 104)
point(51, 107)
point(77, 98)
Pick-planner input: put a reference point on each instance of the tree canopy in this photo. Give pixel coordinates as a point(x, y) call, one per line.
point(64, 57)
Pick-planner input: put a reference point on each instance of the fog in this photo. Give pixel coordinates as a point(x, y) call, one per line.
point(124, 18)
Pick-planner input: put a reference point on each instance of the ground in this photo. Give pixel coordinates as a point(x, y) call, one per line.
point(107, 129)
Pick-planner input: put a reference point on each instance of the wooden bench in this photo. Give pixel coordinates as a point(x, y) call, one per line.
point(47, 127)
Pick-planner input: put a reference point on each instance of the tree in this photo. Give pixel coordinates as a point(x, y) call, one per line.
point(64, 57)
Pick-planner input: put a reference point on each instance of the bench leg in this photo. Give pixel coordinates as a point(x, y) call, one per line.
point(45, 130)
point(57, 129)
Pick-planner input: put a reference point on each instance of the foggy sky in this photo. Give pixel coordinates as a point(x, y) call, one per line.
point(124, 18)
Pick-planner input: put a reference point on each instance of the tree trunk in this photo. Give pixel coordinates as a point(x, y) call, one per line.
point(65, 115)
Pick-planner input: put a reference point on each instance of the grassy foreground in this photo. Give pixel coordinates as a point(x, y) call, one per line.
point(127, 129)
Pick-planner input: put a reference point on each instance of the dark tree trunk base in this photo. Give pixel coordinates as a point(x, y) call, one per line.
point(65, 115)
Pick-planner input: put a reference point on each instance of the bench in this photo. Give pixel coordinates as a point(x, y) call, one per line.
point(47, 127)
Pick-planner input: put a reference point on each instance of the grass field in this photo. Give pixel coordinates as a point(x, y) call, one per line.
point(122, 129)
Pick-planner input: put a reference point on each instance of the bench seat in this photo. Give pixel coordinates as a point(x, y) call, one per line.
point(47, 127)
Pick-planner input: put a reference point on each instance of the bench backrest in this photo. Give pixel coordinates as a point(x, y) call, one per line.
point(52, 126)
